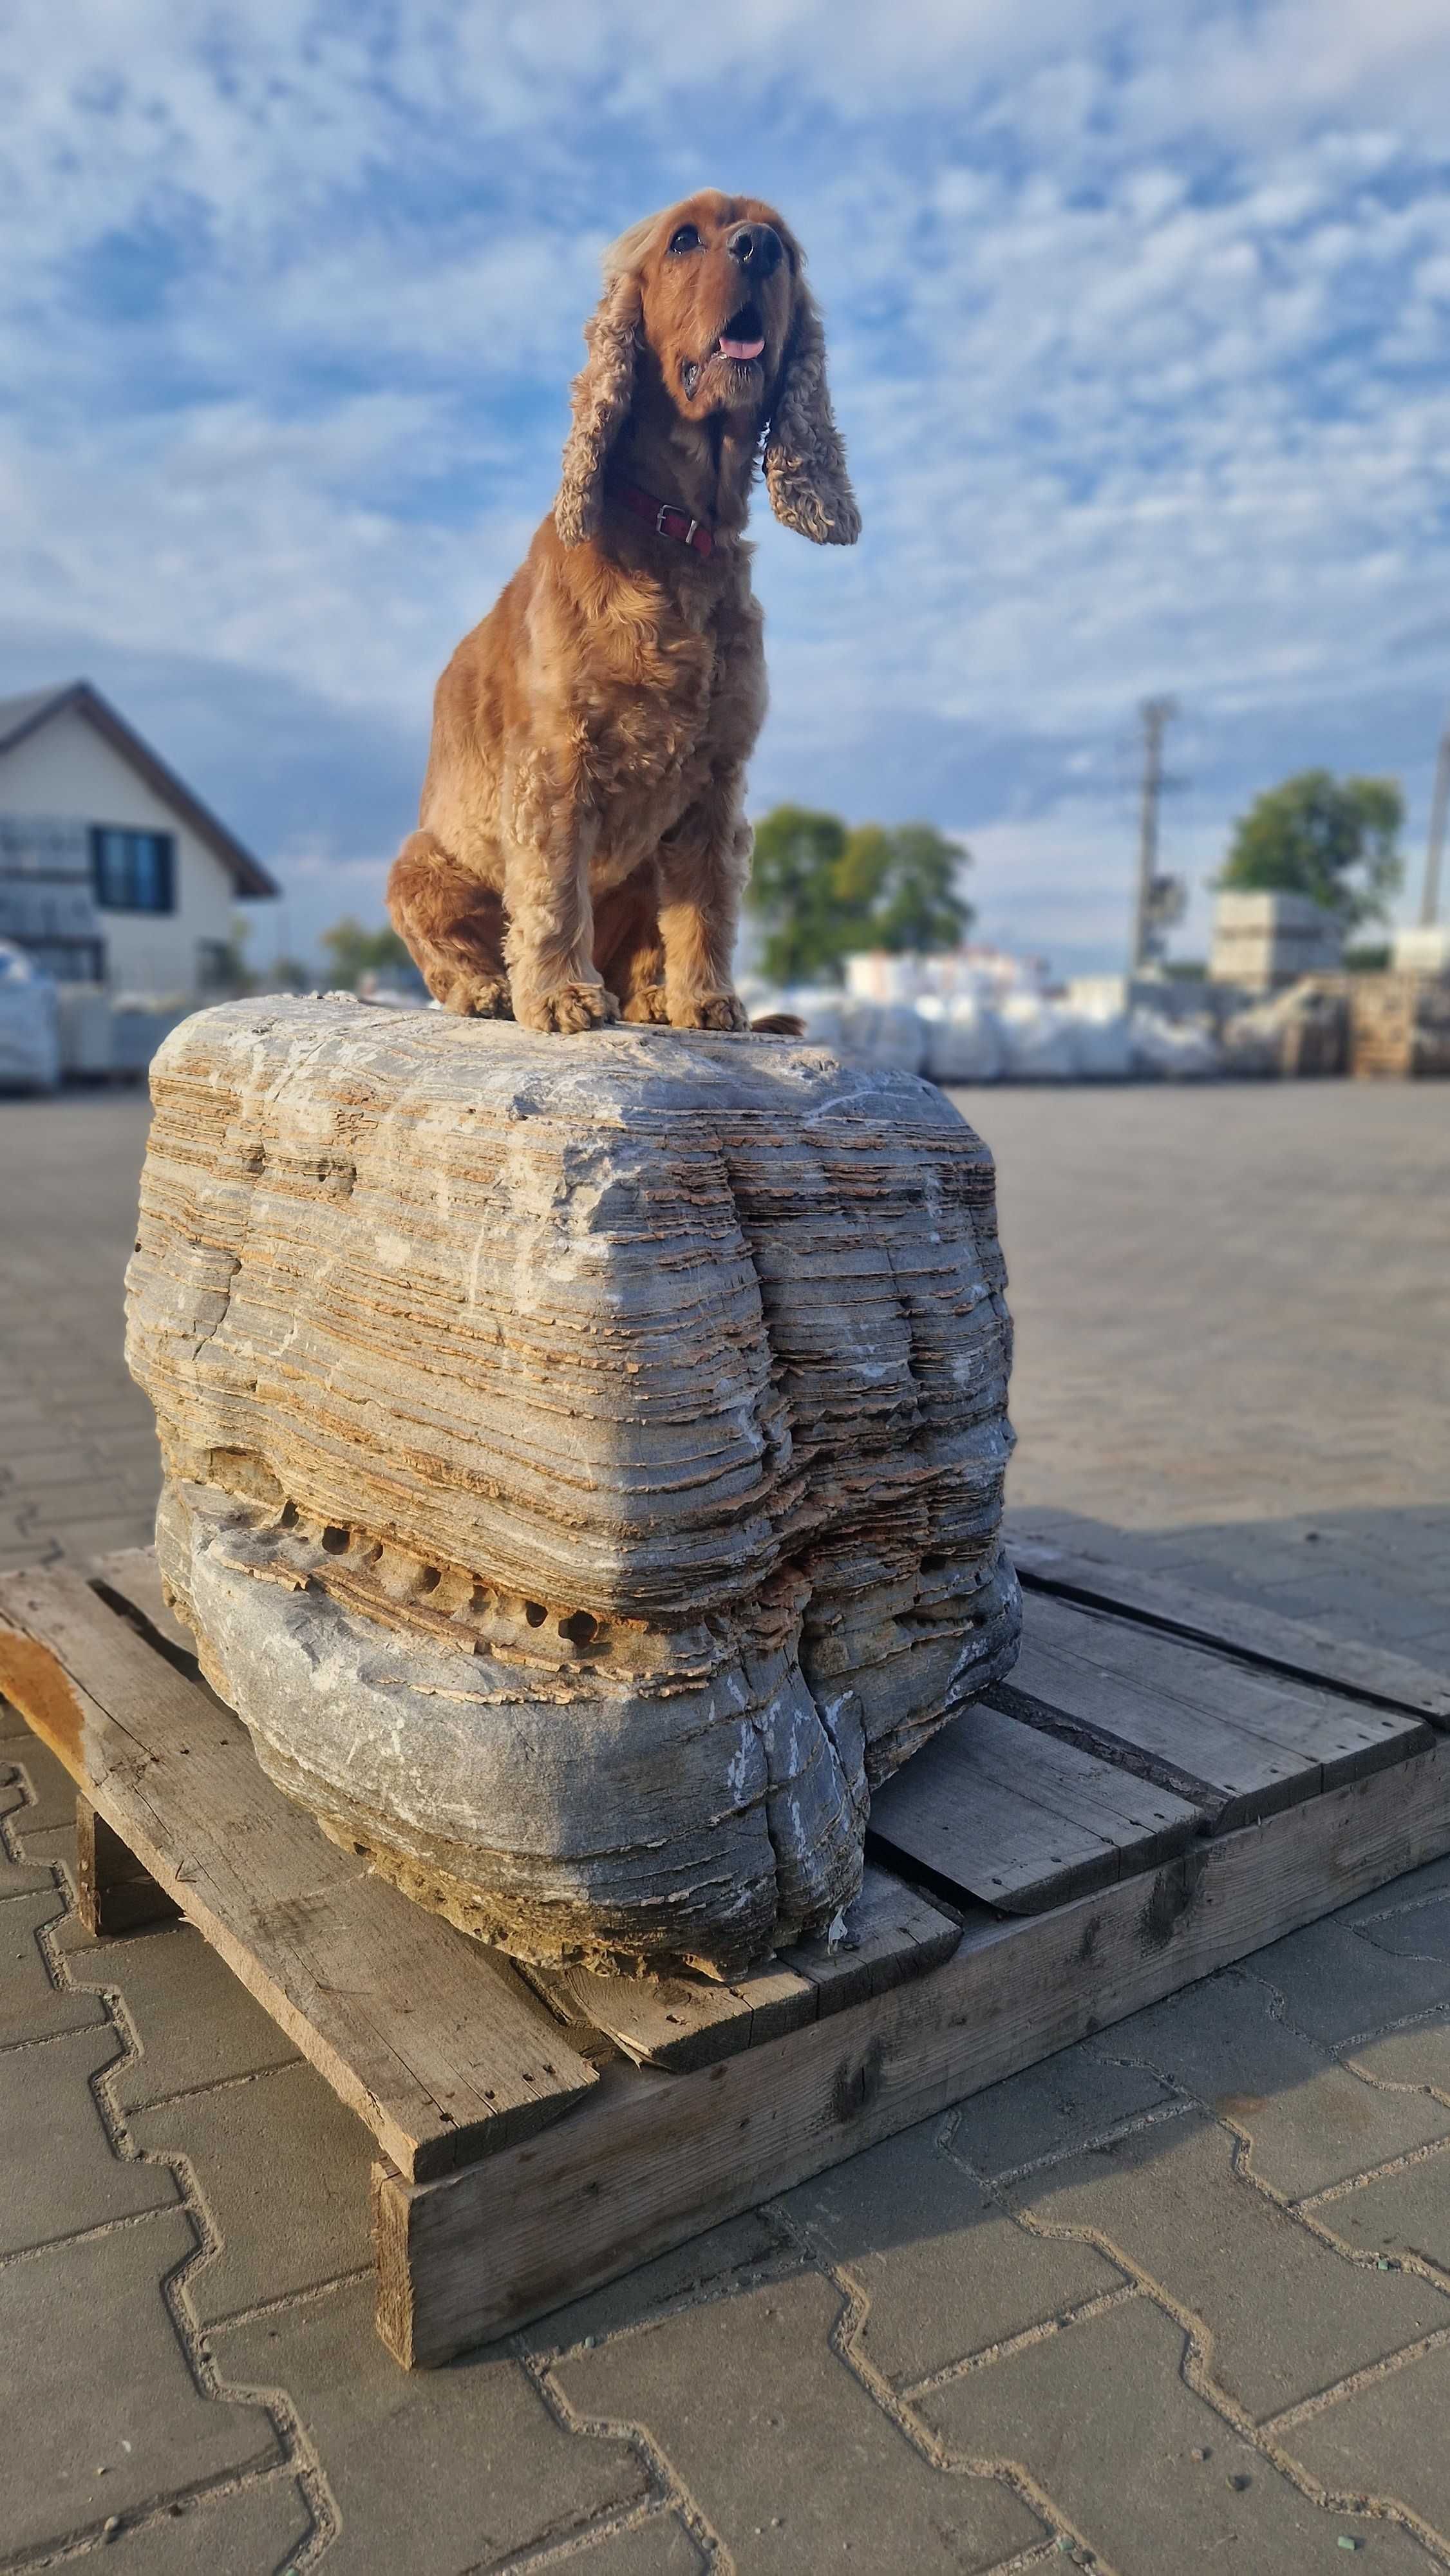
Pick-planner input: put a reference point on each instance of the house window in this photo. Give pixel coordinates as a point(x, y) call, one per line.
point(133, 871)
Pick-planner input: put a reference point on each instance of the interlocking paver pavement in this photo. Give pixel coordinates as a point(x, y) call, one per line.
point(1177, 2299)
point(790, 2460)
point(104, 2412)
point(442, 2454)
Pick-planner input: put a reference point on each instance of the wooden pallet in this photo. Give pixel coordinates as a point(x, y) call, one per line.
point(1168, 1782)
point(1400, 1025)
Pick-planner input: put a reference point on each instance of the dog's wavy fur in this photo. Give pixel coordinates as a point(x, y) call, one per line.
point(582, 846)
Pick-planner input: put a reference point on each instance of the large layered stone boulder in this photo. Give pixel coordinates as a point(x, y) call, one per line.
point(583, 1457)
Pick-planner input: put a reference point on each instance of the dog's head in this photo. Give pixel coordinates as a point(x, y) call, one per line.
point(713, 291)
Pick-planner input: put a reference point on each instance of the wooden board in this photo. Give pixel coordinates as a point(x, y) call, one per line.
point(434, 2043)
point(653, 2158)
point(891, 1933)
point(1019, 1819)
point(1241, 1742)
point(1238, 1627)
point(682, 2021)
point(129, 1581)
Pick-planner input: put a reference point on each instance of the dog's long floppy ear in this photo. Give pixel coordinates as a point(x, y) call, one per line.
point(600, 395)
point(805, 463)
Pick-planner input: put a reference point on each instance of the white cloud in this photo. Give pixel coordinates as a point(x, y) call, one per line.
point(1137, 321)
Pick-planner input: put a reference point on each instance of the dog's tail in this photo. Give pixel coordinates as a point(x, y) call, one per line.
point(777, 1024)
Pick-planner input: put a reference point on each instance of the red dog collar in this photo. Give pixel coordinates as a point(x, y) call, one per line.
point(664, 518)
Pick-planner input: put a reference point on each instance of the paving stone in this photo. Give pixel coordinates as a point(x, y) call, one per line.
point(742, 2245)
point(61, 2171)
point(781, 2447)
point(1422, 1932)
point(660, 2547)
point(1310, 2120)
point(1337, 1985)
point(195, 2022)
point(435, 2470)
point(1147, 2472)
point(31, 2007)
point(945, 2271)
point(103, 2370)
point(52, 1844)
point(283, 2168)
point(1401, 2213)
point(1402, 1893)
point(1056, 2105)
point(1419, 2055)
point(1388, 2441)
point(52, 1791)
point(127, 1527)
point(19, 1877)
point(1287, 2314)
point(254, 2531)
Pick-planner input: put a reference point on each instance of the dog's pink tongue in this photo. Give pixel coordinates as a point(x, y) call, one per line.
point(741, 348)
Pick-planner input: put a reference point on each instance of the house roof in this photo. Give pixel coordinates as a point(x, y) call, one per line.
point(26, 714)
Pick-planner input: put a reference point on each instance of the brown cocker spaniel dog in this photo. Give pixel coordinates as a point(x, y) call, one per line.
point(582, 845)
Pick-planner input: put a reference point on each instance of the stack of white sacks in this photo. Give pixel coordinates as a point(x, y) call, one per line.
point(959, 1025)
point(29, 1040)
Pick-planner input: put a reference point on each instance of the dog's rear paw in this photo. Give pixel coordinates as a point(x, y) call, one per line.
point(474, 997)
point(570, 1008)
point(709, 1011)
point(648, 1005)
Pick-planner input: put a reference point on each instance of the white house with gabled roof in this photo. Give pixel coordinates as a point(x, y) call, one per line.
point(111, 870)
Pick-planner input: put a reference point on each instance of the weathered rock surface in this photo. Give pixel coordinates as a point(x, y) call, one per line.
point(583, 1457)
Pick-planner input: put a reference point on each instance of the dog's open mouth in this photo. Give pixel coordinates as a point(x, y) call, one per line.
point(743, 337)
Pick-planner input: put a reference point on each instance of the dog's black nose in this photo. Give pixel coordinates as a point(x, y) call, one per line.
point(756, 246)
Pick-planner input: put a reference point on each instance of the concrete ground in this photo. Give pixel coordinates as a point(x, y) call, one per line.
point(1177, 2299)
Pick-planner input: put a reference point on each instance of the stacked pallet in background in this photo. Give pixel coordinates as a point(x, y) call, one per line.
point(1400, 1025)
point(1300, 1034)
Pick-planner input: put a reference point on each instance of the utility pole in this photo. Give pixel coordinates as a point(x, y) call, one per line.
point(1435, 846)
point(1156, 714)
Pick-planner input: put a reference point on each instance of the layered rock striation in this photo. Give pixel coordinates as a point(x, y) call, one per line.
point(583, 1458)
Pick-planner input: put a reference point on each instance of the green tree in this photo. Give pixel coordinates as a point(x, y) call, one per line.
point(907, 882)
point(792, 877)
point(356, 952)
point(1329, 838)
point(825, 892)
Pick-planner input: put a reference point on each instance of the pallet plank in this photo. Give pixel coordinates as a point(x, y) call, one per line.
point(652, 2158)
point(1002, 1812)
point(682, 2021)
point(1219, 1619)
point(435, 2044)
point(1245, 1742)
point(891, 1933)
point(130, 1579)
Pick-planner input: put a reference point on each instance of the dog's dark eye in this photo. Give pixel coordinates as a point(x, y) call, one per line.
point(685, 239)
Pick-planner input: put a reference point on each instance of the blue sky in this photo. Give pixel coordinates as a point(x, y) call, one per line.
point(1138, 318)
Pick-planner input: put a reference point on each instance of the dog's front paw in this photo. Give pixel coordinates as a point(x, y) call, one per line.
point(648, 1005)
point(708, 1011)
point(569, 1008)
